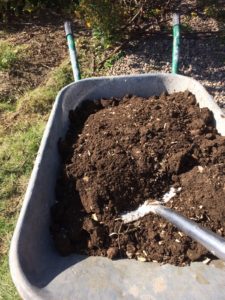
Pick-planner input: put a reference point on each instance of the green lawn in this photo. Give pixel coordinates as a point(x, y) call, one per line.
point(21, 131)
point(17, 153)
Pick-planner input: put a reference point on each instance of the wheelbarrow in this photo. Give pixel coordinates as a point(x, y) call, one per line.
point(39, 272)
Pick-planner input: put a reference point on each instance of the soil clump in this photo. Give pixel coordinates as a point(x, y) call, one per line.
point(120, 152)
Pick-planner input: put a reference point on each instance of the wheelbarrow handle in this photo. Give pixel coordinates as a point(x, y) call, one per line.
point(72, 50)
point(176, 43)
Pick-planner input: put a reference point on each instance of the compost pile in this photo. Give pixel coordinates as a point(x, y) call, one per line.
point(117, 154)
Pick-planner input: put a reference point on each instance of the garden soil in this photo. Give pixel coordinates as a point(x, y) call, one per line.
point(120, 152)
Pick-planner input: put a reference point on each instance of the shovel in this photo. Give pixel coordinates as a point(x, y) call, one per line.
point(210, 240)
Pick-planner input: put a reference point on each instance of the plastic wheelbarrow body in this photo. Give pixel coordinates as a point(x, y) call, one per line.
point(39, 272)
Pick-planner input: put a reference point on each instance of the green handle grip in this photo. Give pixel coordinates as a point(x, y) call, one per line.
point(72, 51)
point(176, 43)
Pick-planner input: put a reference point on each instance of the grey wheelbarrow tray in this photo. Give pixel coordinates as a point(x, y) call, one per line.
point(39, 272)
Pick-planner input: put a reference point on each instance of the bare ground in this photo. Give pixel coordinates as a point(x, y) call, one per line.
point(201, 57)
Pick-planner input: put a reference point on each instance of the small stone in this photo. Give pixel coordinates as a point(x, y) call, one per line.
point(88, 225)
point(131, 248)
point(129, 254)
point(200, 169)
point(220, 231)
point(141, 258)
point(195, 132)
point(112, 252)
point(209, 136)
point(94, 217)
point(162, 234)
point(151, 234)
point(85, 178)
point(193, 254)
point(206, 261)
point(106, 102)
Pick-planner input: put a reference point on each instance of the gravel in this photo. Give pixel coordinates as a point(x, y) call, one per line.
point(202, 58)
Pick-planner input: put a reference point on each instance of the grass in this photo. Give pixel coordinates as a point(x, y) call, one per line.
point(111, 61)
point(7, 289)
point(40, 99)
point(8, 216)
point(21, 128)
point(6, 106)
point(9, 55)
point(17, 153)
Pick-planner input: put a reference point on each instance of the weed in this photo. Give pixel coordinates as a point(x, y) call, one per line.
point(185, 27)
point(6, 106)
point(9, 54)
point(110, 62)
point(60, 77)
point(38, 101)
point(104, 17)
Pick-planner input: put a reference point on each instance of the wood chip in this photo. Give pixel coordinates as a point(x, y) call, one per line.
point(141, 258)
point(220, 231)
point(145, 253)
point(94, 217)
point(113, 233)
point(206, 261)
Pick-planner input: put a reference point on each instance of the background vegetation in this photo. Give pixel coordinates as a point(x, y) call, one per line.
point(111, 20)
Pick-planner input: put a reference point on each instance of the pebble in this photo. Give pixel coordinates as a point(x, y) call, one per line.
point(112, 252)
point(141, 258)
point(200, 169)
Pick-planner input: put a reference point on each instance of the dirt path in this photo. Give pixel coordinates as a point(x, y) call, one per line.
point(46, 47)
point(201, 57)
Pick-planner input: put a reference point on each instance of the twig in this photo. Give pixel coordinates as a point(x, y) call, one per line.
point(133, 19)
point(45, 66)
point(131, 230)
point(141, 31)
point(93, 63)
point(118, 239)
point(101, 63)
